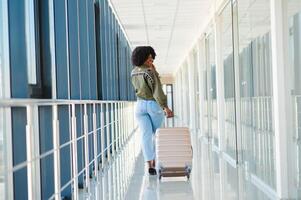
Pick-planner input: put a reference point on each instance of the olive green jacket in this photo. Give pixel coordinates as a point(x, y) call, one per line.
point(148, 85)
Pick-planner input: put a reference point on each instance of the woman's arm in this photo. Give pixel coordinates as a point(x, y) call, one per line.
point(158, 94)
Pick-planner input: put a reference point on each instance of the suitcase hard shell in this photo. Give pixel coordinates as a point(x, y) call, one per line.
point(173, 152)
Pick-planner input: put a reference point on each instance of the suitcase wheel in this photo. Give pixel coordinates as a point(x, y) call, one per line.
point(160, 175)
point(188, 171)
point(188, 175)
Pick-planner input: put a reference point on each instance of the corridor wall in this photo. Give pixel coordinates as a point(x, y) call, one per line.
point(59, 49)
point(244, 78)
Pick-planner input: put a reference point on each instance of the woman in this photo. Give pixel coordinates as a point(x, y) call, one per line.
point(151, 101)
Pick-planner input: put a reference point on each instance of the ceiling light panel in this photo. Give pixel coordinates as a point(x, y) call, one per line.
point(169, 28)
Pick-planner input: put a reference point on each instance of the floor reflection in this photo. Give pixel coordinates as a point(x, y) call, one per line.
point(126, 179)
point(213, 177)
point(150, 188)
point(114, 180)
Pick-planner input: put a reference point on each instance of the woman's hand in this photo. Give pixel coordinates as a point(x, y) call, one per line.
point(153, 66)
point(154, 69)
point(168, 112)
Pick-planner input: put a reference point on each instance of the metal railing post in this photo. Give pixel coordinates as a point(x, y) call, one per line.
point(133, 116)
point(112, 129)
point(56, 148)
point(122, 124)
point(117, 121)
point(74, 153)
point(95, 142)
point(102, 132)
point(86, 140)
point(29, 151)
point(108, 132)
point(116, 126)
point(127, 123)
point(119, 126)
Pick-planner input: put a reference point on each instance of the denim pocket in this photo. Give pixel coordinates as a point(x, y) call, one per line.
point(139, 108)
point(155, 108)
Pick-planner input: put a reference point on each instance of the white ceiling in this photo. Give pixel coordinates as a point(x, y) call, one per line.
point(170, 26)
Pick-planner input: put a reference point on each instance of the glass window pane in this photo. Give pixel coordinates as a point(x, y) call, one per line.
point(229, 138)
point(255, 68)
point(227, 55)
point(185, 95)
point(212, 90)
point(30, 41)
point(294, 22)
point(2, 161)
point(197, 90)
point(1, 50)
point(1, 82)
point(4, 79)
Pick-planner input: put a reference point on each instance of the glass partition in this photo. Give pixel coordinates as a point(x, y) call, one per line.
point(206, 103)
point(168, 90)
point(229, 169)
point(197, 90)
point(185, 95)
point(212, 90)
point(229, 88)
point(294, 23)
point(1, 49)
point(255, 66)
point(3, 186)
point(31, 41)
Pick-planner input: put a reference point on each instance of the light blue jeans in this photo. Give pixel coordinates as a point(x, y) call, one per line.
point(150, 117)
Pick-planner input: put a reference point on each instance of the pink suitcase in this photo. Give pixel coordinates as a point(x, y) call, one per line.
point(173, 152)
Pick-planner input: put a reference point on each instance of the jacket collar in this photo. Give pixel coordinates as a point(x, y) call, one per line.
point(143, 66)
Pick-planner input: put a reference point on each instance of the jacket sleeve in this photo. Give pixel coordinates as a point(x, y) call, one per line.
point(155, 85)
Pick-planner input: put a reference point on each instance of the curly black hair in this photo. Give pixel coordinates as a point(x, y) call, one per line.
point(141, 53)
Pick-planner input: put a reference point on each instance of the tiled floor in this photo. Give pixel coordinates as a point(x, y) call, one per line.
point(148, 187)
point(212, 178)
point(126, 179)
point(139, 186)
